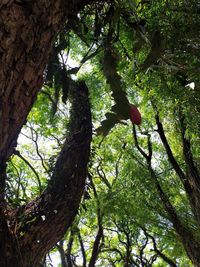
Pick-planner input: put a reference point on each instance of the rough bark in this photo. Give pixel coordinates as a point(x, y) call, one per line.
point(40, 224)
point(27, 32)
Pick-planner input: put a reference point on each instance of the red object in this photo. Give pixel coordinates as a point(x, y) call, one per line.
point(135, 115)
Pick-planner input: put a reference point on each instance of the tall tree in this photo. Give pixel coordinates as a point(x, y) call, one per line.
point(146, 48)
point(28, 30)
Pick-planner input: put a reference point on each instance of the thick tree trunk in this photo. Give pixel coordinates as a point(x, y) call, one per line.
point(31, 231)
point(27, 31)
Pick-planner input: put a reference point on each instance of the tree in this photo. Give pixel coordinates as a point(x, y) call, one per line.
point(28, 30)
point(161, 39)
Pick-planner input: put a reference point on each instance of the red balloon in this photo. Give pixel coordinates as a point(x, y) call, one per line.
point(135, 115)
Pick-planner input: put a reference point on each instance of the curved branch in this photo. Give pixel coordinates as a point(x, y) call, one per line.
point(17, 153)
point(46, 219)
point(190, 181)
point(160, 253)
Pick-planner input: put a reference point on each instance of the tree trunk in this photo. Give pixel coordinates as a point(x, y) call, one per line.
point(27, 31)
point(28, 233)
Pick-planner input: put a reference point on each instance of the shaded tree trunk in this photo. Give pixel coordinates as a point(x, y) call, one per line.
point(28, 233)
point(27, 30)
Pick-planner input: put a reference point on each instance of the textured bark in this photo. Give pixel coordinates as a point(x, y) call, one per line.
point(37, 226)
point(27, 32)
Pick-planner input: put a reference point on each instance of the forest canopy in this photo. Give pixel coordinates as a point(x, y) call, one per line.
point(125, 189)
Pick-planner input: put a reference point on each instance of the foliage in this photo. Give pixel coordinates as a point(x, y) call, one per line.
point(144, 53)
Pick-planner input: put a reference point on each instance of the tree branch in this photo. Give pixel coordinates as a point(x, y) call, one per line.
point(99, 235)
point(82, 250)
point(191, 181)
point(160, 254)
point(168, 150)
point(184, 232)
point(192, 169)
point(16, 152)
point(33, 26)
point(58, 204)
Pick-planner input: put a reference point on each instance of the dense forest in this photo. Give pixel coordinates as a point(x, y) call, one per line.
point(99, 133)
